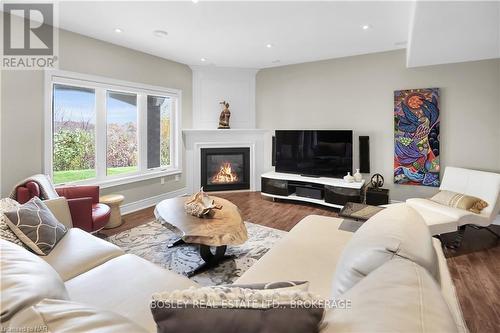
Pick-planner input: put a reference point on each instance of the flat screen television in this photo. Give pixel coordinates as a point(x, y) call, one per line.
point(325, 153)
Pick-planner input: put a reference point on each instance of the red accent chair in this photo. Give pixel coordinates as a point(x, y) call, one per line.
point(86, 211)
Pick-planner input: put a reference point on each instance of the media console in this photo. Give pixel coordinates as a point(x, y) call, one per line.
point(331, 192)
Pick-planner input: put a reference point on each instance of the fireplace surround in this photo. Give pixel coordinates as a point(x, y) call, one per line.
point(224, 169)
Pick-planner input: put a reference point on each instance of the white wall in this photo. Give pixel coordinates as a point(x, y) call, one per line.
point(22, 106)
point(357, 93)
point(212, 85)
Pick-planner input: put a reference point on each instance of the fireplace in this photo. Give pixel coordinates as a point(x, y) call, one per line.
point(224, 169)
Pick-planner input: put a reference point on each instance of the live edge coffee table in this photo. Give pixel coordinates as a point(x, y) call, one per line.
point(224, 227)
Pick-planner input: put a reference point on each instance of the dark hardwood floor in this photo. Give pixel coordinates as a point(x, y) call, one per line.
point(475, 267)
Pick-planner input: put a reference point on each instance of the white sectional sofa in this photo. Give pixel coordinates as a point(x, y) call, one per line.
point(87, 284)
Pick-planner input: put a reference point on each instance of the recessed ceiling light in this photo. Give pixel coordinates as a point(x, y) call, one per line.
point(195, 1)
point(366, 27)
point(118, 30)
point(160, 33)
point(203, 59)
point(269, 46)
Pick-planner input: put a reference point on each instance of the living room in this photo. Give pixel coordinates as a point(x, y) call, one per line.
point(337, 153)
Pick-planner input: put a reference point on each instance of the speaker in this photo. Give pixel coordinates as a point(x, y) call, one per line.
point(364, 154)
point(273, 159)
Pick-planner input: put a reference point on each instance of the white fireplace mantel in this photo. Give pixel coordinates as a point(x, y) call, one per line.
point(258, 140)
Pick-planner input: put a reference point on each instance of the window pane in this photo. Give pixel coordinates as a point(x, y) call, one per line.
point(121, 146)
point(73, 114)
point(159, 111)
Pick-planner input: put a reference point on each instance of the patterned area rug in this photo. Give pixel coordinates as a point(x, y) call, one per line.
point(150, 240)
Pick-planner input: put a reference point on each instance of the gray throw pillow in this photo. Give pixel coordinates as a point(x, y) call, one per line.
point(239, 309)
point(36, 226)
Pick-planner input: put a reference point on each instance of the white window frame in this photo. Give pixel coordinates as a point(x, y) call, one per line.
point(142, 90)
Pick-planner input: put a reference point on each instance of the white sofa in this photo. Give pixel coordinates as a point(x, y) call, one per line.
point(443, 219)
point(87, 284)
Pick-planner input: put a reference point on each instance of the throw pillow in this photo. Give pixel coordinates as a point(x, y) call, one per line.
point(459, 200)
point(36, 226)
point(236, 309)
point(5, 232)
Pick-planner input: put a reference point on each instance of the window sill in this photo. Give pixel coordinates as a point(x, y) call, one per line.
point(106, 183)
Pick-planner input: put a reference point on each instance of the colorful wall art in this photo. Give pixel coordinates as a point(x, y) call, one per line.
point(416, 137)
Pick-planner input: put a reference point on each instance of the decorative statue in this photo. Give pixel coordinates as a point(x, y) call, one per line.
point(224, 116)
point(200, 204)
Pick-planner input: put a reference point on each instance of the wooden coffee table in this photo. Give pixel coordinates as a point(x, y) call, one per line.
point(224, 227)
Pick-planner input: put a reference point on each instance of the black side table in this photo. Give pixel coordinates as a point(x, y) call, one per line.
point(377, 196)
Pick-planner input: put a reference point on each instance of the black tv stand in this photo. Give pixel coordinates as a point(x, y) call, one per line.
point(331, 192)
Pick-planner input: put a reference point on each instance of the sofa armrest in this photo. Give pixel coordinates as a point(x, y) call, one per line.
point(74, 192)
point(81, 213)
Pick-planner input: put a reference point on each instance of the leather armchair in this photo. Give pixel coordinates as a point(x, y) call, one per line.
point(86, 211)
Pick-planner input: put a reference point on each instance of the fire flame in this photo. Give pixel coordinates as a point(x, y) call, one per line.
point(225, 174)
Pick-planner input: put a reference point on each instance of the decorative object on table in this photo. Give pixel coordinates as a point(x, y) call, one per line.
point(416, 137)
point(377, 180)
point(376, 196)
point(348, 178)
point(200, 204)
point(357, 176)
point(359, 211)
point(224, 116)
point(148, 241)
point(35, 225)
point(113, 201)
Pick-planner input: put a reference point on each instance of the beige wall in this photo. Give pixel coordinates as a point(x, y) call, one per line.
point(23, 100)
point(357, 93)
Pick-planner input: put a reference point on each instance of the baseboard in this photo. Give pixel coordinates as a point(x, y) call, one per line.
point(151, 201)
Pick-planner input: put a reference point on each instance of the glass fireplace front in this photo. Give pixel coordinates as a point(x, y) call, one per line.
point(224, 169)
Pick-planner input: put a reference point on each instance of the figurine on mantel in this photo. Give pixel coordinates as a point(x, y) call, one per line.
point(224, 116)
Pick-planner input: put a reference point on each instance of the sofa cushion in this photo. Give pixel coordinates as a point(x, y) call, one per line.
point(124, 285)
point(25, 280)
point(68, 317)
point(397, 231)
point(36, 226)
point(398, 296)
point(309, 252)
point(79, 252)
point(60, 208)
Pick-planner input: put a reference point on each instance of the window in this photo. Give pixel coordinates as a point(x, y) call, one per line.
point(109, 132)
point(121, 133)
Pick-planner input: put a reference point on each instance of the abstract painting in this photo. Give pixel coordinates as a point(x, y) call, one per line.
point(416, 137)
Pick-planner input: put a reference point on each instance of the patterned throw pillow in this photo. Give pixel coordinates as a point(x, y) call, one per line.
point(278, 307)
point(36, 226)
point(5, 232)
point(459, 200)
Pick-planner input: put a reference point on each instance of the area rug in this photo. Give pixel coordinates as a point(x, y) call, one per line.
point(150, 240)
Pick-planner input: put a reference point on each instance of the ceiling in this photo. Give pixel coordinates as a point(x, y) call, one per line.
point(236, 34)
point(447, 32)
